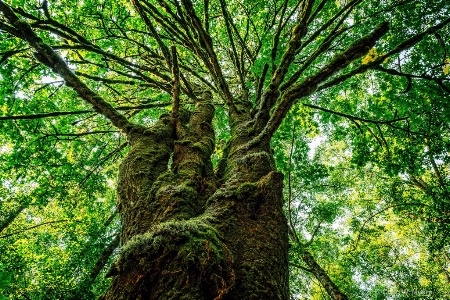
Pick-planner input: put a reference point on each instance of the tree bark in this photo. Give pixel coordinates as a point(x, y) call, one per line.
point(12, 216)
point(103, 259)
point(331, 288)
point(188, 233)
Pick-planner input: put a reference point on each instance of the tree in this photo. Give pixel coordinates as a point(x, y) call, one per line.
point(199, 197)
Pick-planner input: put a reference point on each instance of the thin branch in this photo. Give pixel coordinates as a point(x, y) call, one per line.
point(321, 49)
point(35, 226)
point(436, 169)
point(399, 48)
point(47, 56)
point(384, 140)
point(409, 76)
point(351, 117)
point(276, 37)
point(175, 88)
point(206, 15)
point(11, 215)
point(102, 161)
point(7, 54)
point(81, 133)
point(313, 235)
point(325, 281)
point(234, 56)
point(106, 80)
point(291, 226)
point(73, 36)
point(153, 32)
point(79, 112)
point(103, 259)
point(261, 84)
point(356, 50)
point(211, 61)
point(45, 115)
point(377, 213)
point(300, 267)
point(298, 32)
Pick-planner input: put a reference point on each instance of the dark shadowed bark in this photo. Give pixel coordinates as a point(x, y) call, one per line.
point(11, 216)
point(190, 234)
point(103, 259)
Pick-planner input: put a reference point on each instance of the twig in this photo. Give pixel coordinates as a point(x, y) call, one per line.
point(35, 226)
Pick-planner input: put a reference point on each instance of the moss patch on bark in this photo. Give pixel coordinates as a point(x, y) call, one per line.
point(196, 263)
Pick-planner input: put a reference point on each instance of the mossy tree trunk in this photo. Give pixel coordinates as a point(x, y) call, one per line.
point(191, 233)
point(188, 231)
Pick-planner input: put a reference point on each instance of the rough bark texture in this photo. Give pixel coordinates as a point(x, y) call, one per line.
point(189, 233)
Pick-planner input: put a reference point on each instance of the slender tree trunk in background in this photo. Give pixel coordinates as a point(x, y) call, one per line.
point(12, 216)
point(190, 233)
point(332, 289)
point(103, 259)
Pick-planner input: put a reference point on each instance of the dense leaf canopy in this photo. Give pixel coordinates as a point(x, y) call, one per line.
point(354, 95)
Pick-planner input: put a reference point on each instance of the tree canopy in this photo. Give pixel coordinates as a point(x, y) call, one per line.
point(352, 94)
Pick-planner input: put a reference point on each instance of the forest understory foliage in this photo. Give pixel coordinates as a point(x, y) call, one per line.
point(214, 149)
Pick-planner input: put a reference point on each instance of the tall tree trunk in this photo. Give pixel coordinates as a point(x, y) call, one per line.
point(191, 234)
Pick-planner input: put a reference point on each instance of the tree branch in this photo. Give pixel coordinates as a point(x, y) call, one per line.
point(291, 226)
point(175, 89)
point(79, 112)
point(211, 61)
point(102, 161)
point(11, 216)
point(351, 117)
point(332, 289)
point(7, 54)
point(399, 48)
point(47, 56)
point(81, 133)
point(377, 213)
point(103, 259)
point(234, 56)
point(298, 32)
point(300, 267)
point(410, 76)
point(153, 32)
point(35, 226)
point(309, 85)
point(45, 115)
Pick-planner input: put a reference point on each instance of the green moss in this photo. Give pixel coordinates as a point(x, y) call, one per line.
point(246, 188)
point(183, 142)
point(166, 177)
point(255, 157)
point(179, 190)
point(205, 145)
point(194, 232)
point(192, 247)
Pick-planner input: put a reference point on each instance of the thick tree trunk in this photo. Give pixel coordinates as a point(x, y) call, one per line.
point(191, 234)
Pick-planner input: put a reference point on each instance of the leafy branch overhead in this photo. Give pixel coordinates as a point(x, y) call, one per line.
point(208, 149)
point(165, 24)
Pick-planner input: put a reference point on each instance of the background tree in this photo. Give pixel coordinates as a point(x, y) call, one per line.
point(207, 103)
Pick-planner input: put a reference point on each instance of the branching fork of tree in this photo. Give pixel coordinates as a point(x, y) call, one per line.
point(191, 231)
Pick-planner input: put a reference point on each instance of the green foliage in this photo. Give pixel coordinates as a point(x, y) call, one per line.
point(366, 162)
